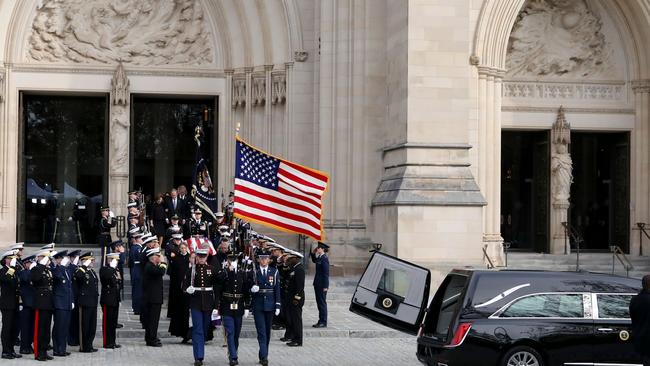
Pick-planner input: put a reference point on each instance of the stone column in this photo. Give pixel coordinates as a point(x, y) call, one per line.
point(118, 148)
point(490, 158)
point(641, 166)
point(226, 138)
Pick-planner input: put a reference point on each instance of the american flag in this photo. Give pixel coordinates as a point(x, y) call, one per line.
point(278, 193)
point(195, 243)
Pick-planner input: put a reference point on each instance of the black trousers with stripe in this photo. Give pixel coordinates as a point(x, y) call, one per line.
point(109, 324)
point(42, 332)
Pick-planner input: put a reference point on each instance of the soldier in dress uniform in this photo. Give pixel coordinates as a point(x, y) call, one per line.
point(149, 241)
point(27, 313)
point(198, 226)
point(42, 280)
point(154, 271)
point(233, 301)
point(199, 283)
point(174, 228)
point(321, 282)
point(266, 302)
point(63, 303)
point(136, 271)
point(88, 287)
point(73, 333)
point(111, 281)
point(9, 303)
point(106, 223)
point(296, 297)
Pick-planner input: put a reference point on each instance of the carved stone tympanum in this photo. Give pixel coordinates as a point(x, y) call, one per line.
point(136, 32)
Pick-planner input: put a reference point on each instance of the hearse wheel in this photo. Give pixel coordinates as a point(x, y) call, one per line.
point(522, 356)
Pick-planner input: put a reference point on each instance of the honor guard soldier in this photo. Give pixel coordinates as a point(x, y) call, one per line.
point(200, 282)
point(18, 249)
point(63, 303)
point(106, 223)
point(135, 270)
point(42, 280)
point(233, 302)
point(111, 281)
point(321, 282)
point(265, 303)
point(88, 287)
point(27, 313)
point(198, 226)
point(9, 303)
point(73, 333)
point(154, 271)
point(296, 297)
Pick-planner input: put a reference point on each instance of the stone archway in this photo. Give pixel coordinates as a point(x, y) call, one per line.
point(492, 34)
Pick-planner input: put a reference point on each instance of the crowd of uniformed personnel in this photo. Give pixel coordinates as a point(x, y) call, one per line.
point(220, 272)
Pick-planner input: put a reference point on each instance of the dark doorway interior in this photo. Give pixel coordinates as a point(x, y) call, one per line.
point(162, 141)
point(525, 176)
point(600, 193)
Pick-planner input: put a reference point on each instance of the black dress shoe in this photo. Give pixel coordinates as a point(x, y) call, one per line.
point(185, 340)
point(41, 358)
point(198, 363)
point(26, 351)
point(16, 355)
point(319, 325)
point(119, 325)
point(277, 327)
point(49, 347)
point(294, 344)
point(8, 356)
point(57, 354)
point(71, 345)
point(48, 357)
point(264, 362)
point(154, 344)
point(234, 363)
point(285, 339)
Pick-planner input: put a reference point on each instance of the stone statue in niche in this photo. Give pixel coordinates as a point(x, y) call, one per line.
point(553, 38)
point(561, 164)
point(119, 139)
point(136, 32)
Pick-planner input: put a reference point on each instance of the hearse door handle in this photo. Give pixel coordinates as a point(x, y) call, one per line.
point(605, 330)
point(362, 304)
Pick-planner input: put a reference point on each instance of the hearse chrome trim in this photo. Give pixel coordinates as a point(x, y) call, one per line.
point(502, 295)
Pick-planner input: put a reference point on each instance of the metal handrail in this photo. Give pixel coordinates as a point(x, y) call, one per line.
point(617, 253)
point(577, 239)
point(490, 263)
point(641, 226)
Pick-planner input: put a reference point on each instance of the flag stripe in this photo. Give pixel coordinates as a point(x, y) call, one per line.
point(274, 210)
point(315, 182)
point(274, 219)
point(311, 172)
point(316, 192)
point(272, 201)
point(292, 191)
point(257, 190)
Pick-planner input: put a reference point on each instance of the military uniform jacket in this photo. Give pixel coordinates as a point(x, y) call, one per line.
point(205, 276)
point(111, 281)
point(269, 296)
point(135, 256)
point(72, 269)
point(9, 294)
point(152, 290)
point(233, 294)
point(105, 227)
point(322, 275)
point(63, 296)
point(43, 283)
point(26, 288)
point(296, 285)
point(199, 227)
point(88, 286)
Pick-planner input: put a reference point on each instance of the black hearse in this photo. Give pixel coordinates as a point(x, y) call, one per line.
point(503, 317)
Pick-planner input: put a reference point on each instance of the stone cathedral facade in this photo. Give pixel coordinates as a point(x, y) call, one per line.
point(433, 118)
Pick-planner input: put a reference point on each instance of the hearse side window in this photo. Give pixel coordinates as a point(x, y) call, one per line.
point(395, 282)
point(546, 306)
point(611, 306)
point(443, 307)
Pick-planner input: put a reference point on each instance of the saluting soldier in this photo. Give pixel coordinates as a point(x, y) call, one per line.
point(149, 241)
point(9, 303)
point(296, 297)
point(63, 303)
point(42, 280)
point(88, 287)
point(136, 271)
point(106, 223)
point(199, 283)
point(265, 303)
point(198, 226)
point(111, 281)
point(73, 333)
point(154, 271)
point(27, 313)
point(178, 303)
point(233, 302)
point(321, 282)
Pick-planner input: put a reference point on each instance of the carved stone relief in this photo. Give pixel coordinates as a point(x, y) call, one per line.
point(238, 93)
point(553, 38)
point(259, 91)
point(279, 89)
point(136, 32)
point(567, 91)
point(119, 122)
point(120, 86)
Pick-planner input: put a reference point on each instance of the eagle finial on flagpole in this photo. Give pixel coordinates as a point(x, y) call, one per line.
point(237, 129)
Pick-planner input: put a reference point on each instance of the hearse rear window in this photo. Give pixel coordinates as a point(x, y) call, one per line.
point(613, 306)
point(444, 306)
point(546, 306)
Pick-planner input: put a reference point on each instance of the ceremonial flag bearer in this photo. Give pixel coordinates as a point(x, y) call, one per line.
point(265, 303)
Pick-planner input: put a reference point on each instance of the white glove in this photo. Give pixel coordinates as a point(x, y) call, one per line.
point(13, 262)
point(246, 313)
point(72, 306)
point(277, 312)
point(190, 290)
point(215, 314)
point(20, 308)
point(111, 214)
point(255, 289)
point(44, 261)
